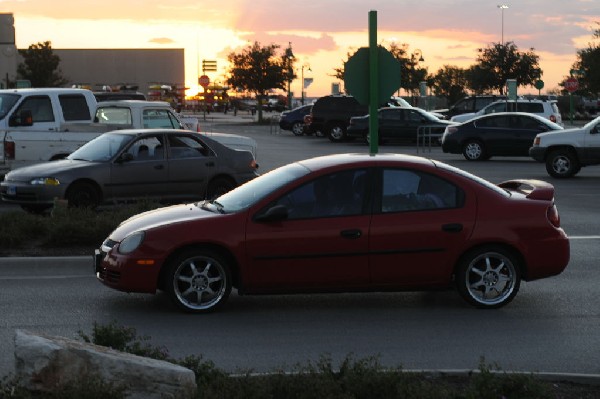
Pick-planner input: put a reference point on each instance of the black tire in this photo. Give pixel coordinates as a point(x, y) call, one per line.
point(562, 164)
point(83, 195)
point(336, 133)
point(298, 128)
point(473, 150)
point(488, 277)
point(219, 186)
point(198, 281)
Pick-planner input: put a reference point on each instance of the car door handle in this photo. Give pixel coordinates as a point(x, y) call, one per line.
point(452, 227)
point(161, 166)
point(210, 164)
point(351, 234)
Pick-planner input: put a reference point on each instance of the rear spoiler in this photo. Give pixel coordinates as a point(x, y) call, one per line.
point(533, 189)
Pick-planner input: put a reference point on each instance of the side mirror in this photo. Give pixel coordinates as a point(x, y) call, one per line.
point(277, 212)
point(21, 118)
point(125, 157)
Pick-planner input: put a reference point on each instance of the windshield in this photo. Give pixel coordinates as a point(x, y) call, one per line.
point(591, 124)
point(7, 102)
point(102, 148)
point(248, 194)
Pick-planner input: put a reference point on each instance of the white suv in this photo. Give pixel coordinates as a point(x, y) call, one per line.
point(544, 108)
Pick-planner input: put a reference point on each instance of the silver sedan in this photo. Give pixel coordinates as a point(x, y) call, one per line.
point(132, 164)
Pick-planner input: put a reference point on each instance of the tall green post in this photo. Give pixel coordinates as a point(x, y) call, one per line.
point(373, 83)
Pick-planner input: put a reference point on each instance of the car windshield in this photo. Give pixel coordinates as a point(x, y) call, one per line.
point(101, 149)
point(7, 101)
point(591, 124)
point(248, 194)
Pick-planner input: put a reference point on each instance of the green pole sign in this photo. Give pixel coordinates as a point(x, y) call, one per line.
point(372, 75)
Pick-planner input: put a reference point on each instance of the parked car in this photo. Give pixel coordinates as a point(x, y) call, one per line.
point(545, 108)
point(565, 152)
point(499, 134)
point(340, 223)
point(330, 116)
point(293, 120)
point(399, 124)
point(469, 104)
point(132, 164)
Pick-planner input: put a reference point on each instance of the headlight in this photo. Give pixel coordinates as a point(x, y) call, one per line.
point(131, 242)
point(45, 181)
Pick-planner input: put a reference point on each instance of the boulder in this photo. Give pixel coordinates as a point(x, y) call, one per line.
point(44, 362)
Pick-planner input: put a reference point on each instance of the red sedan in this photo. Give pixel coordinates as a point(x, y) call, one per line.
point(344, 223)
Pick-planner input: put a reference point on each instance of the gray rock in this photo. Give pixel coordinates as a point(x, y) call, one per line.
point(44, 362)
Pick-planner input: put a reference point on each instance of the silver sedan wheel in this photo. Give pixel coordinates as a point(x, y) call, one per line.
point(473, 151)
point(200, 282)
point(489, 279)
point(298, 129)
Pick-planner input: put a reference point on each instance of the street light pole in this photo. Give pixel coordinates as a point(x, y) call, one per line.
point(289, 61)
point(502, 7)
point(303, 66)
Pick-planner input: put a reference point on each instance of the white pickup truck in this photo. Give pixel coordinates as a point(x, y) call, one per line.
point(38, 125)
point(565, 152)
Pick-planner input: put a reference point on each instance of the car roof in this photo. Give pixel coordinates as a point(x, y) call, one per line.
point(496, 114)
point(133, 103)
point(361, 160)
point(136, 132)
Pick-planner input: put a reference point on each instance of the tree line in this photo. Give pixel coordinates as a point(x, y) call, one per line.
point(259, 69)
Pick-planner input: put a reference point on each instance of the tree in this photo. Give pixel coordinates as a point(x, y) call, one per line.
point(450, 82)
point(588, 61)
point(500, 62)
point(41, 66)
point(259, 69)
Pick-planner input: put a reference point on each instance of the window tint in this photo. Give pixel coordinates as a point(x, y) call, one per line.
point(113, 116)
point(499, 107)
point(185, 147)
point(159, 118)
point(40, 107)
point(338, 194)
point(74, 107)
point(407, 190)
point(534, 108)
point(391, 114)
point(148, 148)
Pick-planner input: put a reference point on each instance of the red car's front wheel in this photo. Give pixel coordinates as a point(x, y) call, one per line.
point(198, 281)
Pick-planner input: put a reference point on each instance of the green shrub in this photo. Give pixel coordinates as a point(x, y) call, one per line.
point(65, 227)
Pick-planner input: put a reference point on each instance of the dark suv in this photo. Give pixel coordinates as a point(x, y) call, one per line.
point(469, 104)
point(331, 115)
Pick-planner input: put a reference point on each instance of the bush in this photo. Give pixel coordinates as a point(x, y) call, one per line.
point(351, 379)
point(64, 227)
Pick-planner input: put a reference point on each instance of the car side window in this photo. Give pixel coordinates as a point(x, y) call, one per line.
point(40, 107)
point(74, 107)
point(408, 190)
point(148, 148)
point(337, 194)
point(159, 119)
point(500, 107)
point(181, 147)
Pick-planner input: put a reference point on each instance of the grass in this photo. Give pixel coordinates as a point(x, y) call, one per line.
point(352, 378)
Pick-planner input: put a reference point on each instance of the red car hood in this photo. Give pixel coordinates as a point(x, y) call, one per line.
point(158, 217)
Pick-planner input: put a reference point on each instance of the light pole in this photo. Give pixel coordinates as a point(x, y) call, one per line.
point(303, 87)
point(502, 7)
point(289, 55)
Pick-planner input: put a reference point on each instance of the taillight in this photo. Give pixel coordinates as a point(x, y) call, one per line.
point(552, 215)
point(9, 150)
point(450, 130)
point(553, 118)
point(536, 140)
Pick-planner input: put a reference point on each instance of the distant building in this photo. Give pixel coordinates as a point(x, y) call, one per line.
point(99, 67)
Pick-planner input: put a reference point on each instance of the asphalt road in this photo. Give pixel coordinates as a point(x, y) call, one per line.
point(553, 325)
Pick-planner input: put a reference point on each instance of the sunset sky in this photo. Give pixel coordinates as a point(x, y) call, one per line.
point(448, 32)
